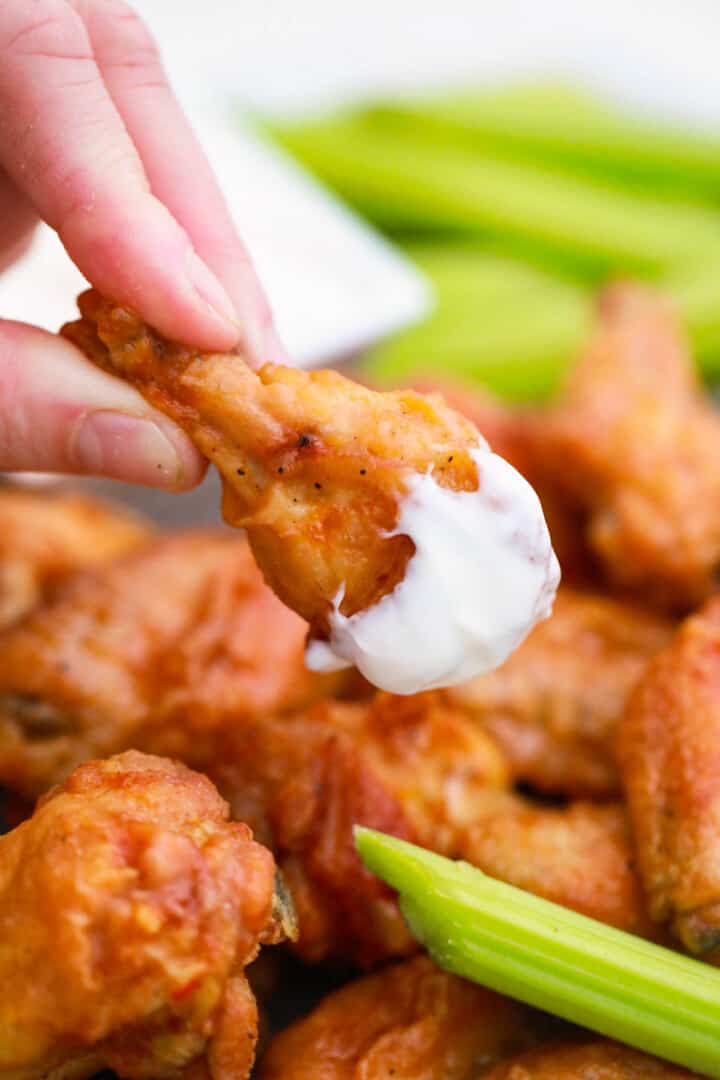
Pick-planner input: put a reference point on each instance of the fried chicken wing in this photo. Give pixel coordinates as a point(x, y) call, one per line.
point(600, 1059)
point(411, 1020)
point(157, 651)
point(44, 537)
point(579, 856)
point(129, 908)
point(417, 769)
point(326, 475)
point(409, 766)
point(635, 443)
point(555, 704)
point(669, 746)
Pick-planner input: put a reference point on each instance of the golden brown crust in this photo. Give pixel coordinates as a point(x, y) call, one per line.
point(554, 705)
point(635, 443)
point(129, 908)
point(670, 752)
point(313, 464)
point(597, 1060)
point(44, 537)
point(411, 1020)
point(159, 650)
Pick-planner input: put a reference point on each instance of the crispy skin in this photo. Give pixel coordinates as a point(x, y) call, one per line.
point(129, 908)
point(156, 651)
point(579, 856)
point(44, 537)
point(408, 766)
point(313, 464)
point(411, 1020)
point(669, 746)
point(554, 705)
point(597, 1060)
point(633, 440)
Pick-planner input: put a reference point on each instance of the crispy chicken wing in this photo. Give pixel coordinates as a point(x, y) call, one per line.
point(43, 537)
point(669, 746)
point(596, 1060)
point(129, 908)
point(157, 651)
point(408, 766)
point(579, 856)
point(408, 1021)
point(312, 464)
point(319, 470)
point(635, 443)
point(555, 704)
point(417, 769)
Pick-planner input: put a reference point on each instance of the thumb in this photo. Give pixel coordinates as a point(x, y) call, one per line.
point(59, 413)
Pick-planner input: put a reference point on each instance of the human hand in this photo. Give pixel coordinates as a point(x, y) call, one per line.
point(93, 142)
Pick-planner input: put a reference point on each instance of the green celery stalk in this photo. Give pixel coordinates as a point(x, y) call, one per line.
point(550, 957)
point(405, 182)
point(567, 127)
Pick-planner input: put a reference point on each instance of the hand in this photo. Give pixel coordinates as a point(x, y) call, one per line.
point(93, 142)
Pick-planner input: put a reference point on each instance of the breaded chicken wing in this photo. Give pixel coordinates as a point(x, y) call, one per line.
point(43, 537)
point(600, 1059)
point(408, 766)
point(342, 490)
point(157, 651)
point(635, 443)
point(410, 1021)
point(555, 704)
point(579, 856)
point(416, 769)
point(129, 909)
point(669, 746)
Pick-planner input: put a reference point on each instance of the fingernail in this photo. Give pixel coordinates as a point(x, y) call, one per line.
point(209, 289)
point(107, 443)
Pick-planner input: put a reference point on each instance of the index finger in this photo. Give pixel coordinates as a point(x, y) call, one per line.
point(64, 145)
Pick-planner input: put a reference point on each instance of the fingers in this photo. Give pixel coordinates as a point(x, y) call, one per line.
point(17, 221)
point(59, 413)
point(64, 145)
point(176, 167)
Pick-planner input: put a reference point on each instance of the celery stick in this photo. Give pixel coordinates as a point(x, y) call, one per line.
point(567, 128)
point(553, 958)
point(397, 180)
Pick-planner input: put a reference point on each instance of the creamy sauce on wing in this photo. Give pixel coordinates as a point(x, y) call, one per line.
point(482, 575)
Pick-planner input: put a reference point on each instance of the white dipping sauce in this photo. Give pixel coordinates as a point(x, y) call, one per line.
point(482, 575)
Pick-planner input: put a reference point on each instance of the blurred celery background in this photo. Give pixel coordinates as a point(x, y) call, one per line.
point(517, 202)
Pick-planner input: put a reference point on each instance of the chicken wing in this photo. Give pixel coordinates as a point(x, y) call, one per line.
point(596, 1060)
point(635, 443)
point(157, 651)
point(43, 537)
point(669, 746)
point(416, 769)
point(411, 1020)
point(129, 908)
point(555, 704)
point(340, 489)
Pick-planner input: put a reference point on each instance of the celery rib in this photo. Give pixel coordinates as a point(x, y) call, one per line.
point(553, 958)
